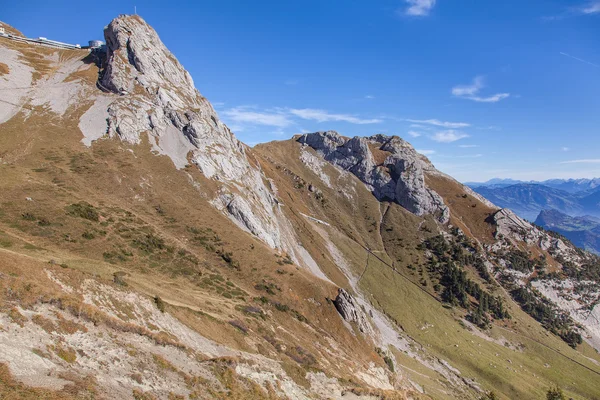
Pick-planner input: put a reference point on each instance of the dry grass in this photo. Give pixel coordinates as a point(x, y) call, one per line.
point(467, 212)
point(11, 389)
point(4, 70)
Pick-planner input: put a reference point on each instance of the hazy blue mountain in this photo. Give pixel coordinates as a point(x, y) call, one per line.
point(573, 185)
point(527, 200)
point(496, 182)
point(584, 232)
point(568, 185)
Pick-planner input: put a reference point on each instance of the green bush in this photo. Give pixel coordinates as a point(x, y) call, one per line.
point(555, 393)
point(83, 210)
point(160, 304)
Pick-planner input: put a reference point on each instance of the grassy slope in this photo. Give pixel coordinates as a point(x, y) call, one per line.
point(140, 196)
point(532, 369)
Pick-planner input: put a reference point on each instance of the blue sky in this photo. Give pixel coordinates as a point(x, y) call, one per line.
point(484, 88)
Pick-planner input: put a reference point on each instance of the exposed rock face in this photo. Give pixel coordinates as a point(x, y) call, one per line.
point(389, 166)
point(157, 96)
point(514, 228)
point(351, 311)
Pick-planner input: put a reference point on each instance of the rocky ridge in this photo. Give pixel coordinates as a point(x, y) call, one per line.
point(157, 96)
point(390, 167)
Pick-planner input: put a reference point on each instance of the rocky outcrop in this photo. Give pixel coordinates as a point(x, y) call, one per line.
point(390, 167)
point(351, 311)
point(512, 227)
point(156, 96)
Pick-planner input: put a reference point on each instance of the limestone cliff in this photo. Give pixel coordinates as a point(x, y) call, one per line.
point(389, 166)
point(156, 96)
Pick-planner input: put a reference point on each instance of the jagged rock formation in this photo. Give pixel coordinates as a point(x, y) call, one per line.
point(512, 227)
point(389, 166)
point(351, 311)
point(157, 96)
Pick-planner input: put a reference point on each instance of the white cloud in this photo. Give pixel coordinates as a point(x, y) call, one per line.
point(565, 148)
point(443, 124)
point(471, 92)
point(471, 156)
point(247, 115)
point(419, 8)
point(369, 97)
point(592, 7)
point(448, 136)
point(468, 146)
point(414, 133)
point(584, 161)
point(490, 99)
point(324, 116)
point(426, 152)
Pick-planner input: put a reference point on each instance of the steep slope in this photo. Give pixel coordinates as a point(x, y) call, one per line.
point(397, 260)
point(123, 274)
point(147, 252)
point(584, 232)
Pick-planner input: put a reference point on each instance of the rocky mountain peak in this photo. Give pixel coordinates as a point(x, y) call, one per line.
point(148, 92)
point(390, 167)
point(137, 57)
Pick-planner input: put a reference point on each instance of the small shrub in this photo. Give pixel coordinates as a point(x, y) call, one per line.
point(150, 243)
point(389, 362)
point(119, 278)
point(160, 304)
point(281, 307)
point(28, 217)
point(43, 222)
point(83, 210)
point(555, 393)
point(66, 353)
point(88, 235)
point(239, 325)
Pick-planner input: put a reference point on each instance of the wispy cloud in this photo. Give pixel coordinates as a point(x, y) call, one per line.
point(591, 7)
point(369, 97)
point(448, 136)
point(426, 152)
point(325, 116)
point(291, 82)
point(580, 59)
point(468, 146)
point(565, 148)
point(471, 92)
point(419, 8)
point(443, 124)
point(248, 115)
point(584, 161)
point(471, 156)
point(414, 133)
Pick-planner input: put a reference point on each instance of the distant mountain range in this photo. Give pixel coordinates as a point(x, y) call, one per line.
point(570, 207)
point(567, 185)
point(584, 232)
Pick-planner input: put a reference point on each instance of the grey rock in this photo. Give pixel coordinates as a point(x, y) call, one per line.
point(390, 167)
point(351, 311)
point(157, 97)
point(515, 229)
